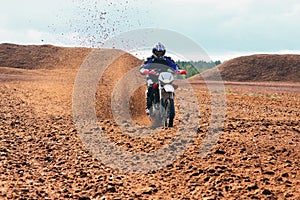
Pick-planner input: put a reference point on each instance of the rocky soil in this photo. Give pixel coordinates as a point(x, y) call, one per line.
point(42, 156)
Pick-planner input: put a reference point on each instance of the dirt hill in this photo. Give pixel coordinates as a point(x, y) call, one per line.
point(40, 56)
point(260, 67)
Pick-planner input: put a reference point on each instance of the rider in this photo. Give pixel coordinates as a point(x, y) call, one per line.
point(158, 61)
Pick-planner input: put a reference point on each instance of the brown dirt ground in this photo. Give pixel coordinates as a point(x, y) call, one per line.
point(41, 156)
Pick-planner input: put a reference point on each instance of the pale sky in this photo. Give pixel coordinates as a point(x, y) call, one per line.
point(224, 28)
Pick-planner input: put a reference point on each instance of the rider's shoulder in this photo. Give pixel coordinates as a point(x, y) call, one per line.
point(151, 58)
point(169, 58)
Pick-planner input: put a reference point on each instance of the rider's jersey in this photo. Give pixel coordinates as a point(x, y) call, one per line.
point(163, 64)
point(159, 65)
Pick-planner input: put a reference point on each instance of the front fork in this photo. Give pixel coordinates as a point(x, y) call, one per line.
point(162, 99)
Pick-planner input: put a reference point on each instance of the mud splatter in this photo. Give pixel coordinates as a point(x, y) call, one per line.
point(92, 22)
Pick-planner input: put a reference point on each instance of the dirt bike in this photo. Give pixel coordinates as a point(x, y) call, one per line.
point(162, 111)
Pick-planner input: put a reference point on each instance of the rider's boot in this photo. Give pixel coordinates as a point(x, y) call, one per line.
point(148, 100)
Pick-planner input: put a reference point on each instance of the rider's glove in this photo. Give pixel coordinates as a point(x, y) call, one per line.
point(144, 71)
point(152, 72)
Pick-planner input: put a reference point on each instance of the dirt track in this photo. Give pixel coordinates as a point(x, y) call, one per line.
point(256, 157)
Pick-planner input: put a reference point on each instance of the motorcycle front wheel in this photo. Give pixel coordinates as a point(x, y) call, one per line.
point(169, 112)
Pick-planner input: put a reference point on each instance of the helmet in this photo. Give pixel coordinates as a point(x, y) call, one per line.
point(159, 50)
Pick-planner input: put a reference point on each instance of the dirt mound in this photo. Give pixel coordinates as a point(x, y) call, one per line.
point(40, 56)
point(260, 67)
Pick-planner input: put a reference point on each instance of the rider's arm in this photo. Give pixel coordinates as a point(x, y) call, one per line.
point(147, 64)
point(143, 70)
point(172, 64)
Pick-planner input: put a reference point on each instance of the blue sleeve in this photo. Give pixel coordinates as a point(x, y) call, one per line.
point(172, 64)
point(147, 64)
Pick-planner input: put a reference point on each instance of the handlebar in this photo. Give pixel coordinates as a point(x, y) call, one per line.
point(153, 72)
point(147, 72)
point(181, 71)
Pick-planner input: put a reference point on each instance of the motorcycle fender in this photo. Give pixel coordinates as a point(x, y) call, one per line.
point(169, 88)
